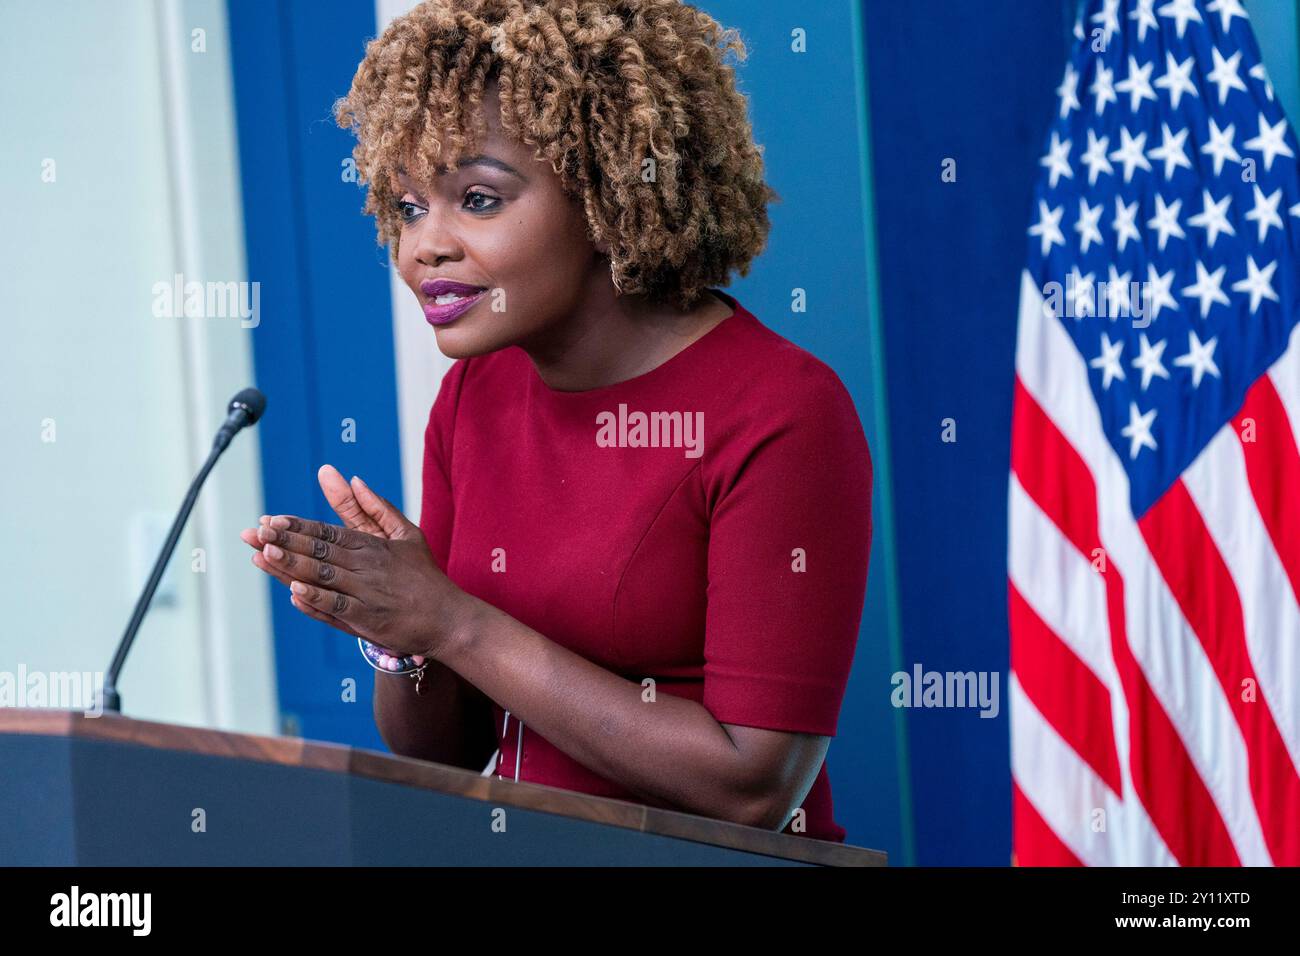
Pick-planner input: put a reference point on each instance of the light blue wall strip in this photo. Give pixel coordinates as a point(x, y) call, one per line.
point(883, 461)
point(1277, 28)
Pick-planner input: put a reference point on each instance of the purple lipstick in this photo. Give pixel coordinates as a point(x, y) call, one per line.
point(448, 300)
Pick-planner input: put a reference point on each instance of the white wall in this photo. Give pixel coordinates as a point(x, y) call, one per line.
point(146, 185)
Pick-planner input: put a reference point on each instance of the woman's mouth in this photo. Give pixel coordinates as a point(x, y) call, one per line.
point(448, 300)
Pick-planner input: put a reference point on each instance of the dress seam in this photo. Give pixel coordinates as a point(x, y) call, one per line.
point(615, 651)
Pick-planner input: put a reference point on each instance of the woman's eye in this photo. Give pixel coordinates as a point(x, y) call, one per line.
point(407, 211)
point(491, 203)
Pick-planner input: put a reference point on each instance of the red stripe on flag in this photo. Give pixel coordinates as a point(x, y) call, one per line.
point(1273, 471)
point(1065, 690)
point(1035, 842)
point(1166, 780)
point(1201, 583)
point(1053, 473)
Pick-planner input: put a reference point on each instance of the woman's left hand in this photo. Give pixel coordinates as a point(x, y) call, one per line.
point(387, 590)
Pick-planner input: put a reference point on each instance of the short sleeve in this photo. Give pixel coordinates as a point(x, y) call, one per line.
point(789, 540)
point(437, 511)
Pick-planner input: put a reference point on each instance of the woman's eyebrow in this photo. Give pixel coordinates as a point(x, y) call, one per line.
point(493, 162)
point(490, 161)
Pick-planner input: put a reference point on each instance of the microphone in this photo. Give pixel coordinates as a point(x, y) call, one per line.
point(244, 410)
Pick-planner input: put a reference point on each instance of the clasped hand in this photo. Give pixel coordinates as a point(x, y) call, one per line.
point(373, 578)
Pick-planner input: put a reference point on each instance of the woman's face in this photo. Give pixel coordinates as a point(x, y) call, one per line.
point(499, 222)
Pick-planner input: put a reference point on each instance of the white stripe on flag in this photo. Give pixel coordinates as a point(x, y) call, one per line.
point(1285, 374)
point(1067, 794)
point(1167, 650)
point(1060, 585)
point(1063, 589)
point(1217, 483)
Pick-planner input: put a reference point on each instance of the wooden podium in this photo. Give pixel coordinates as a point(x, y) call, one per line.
point(112, 791)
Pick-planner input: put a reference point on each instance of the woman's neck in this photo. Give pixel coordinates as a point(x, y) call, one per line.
point(620, 339)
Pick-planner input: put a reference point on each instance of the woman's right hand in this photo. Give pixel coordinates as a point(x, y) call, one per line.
point(338, 492)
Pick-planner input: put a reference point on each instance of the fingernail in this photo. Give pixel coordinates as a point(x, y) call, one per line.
point(267, 533)
point(279, 521)
point(297, 587)
point(272, 552)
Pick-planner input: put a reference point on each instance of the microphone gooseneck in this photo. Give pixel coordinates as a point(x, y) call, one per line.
point(244, 410)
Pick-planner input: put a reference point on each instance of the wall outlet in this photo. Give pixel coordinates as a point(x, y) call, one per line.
point(146, 532)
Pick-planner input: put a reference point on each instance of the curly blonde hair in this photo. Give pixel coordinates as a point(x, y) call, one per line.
point(598, 88)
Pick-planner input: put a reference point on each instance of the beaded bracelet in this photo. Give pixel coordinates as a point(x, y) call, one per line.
point(381, 659)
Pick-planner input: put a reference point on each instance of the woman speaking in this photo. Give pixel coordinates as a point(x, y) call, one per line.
point(642, 552)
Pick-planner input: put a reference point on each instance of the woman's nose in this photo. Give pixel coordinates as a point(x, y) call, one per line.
point(436, 241)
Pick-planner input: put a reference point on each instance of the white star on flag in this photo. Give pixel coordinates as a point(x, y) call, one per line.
point(1265, 211)
point(1137, 85)
point(1224, 75)
point(1048, 226)
point(1130, 152)
point(1102, 88)
point(1068, 91)
point(1056, 161)
point(1125, 223)
point(1086, 226)
point(1177, 78)
point(1145, 17)
point(1220, 146)
point(1118, 300)
point(1199, 358)
point(1181, 11)
point(1259, 73)
point(1270, 141)
point(1109, 20)
point(1207, 287)
point(1213, 217)
point(1108, 361)
point(1095, 158)
point(1227, 9)
point(1165, 221)
point(1138, 430)
point(1082, 293)
point(1158, 291)
point(1170, 150)
point(1148, 360)
point(1256, 283)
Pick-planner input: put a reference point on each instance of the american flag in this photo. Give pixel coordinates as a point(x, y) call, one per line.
point(1154, 560)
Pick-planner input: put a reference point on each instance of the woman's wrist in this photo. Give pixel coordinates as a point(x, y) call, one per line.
point(460, 629)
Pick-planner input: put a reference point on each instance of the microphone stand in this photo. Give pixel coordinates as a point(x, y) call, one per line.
point(110, 699)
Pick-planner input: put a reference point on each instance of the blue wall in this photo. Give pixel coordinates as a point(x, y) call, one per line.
point(974, 83)
point(807, 113)
point(324, 350)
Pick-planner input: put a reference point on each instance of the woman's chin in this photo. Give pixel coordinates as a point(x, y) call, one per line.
point(458, 342)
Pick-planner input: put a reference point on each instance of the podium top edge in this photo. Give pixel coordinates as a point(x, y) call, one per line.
point(422, 774)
